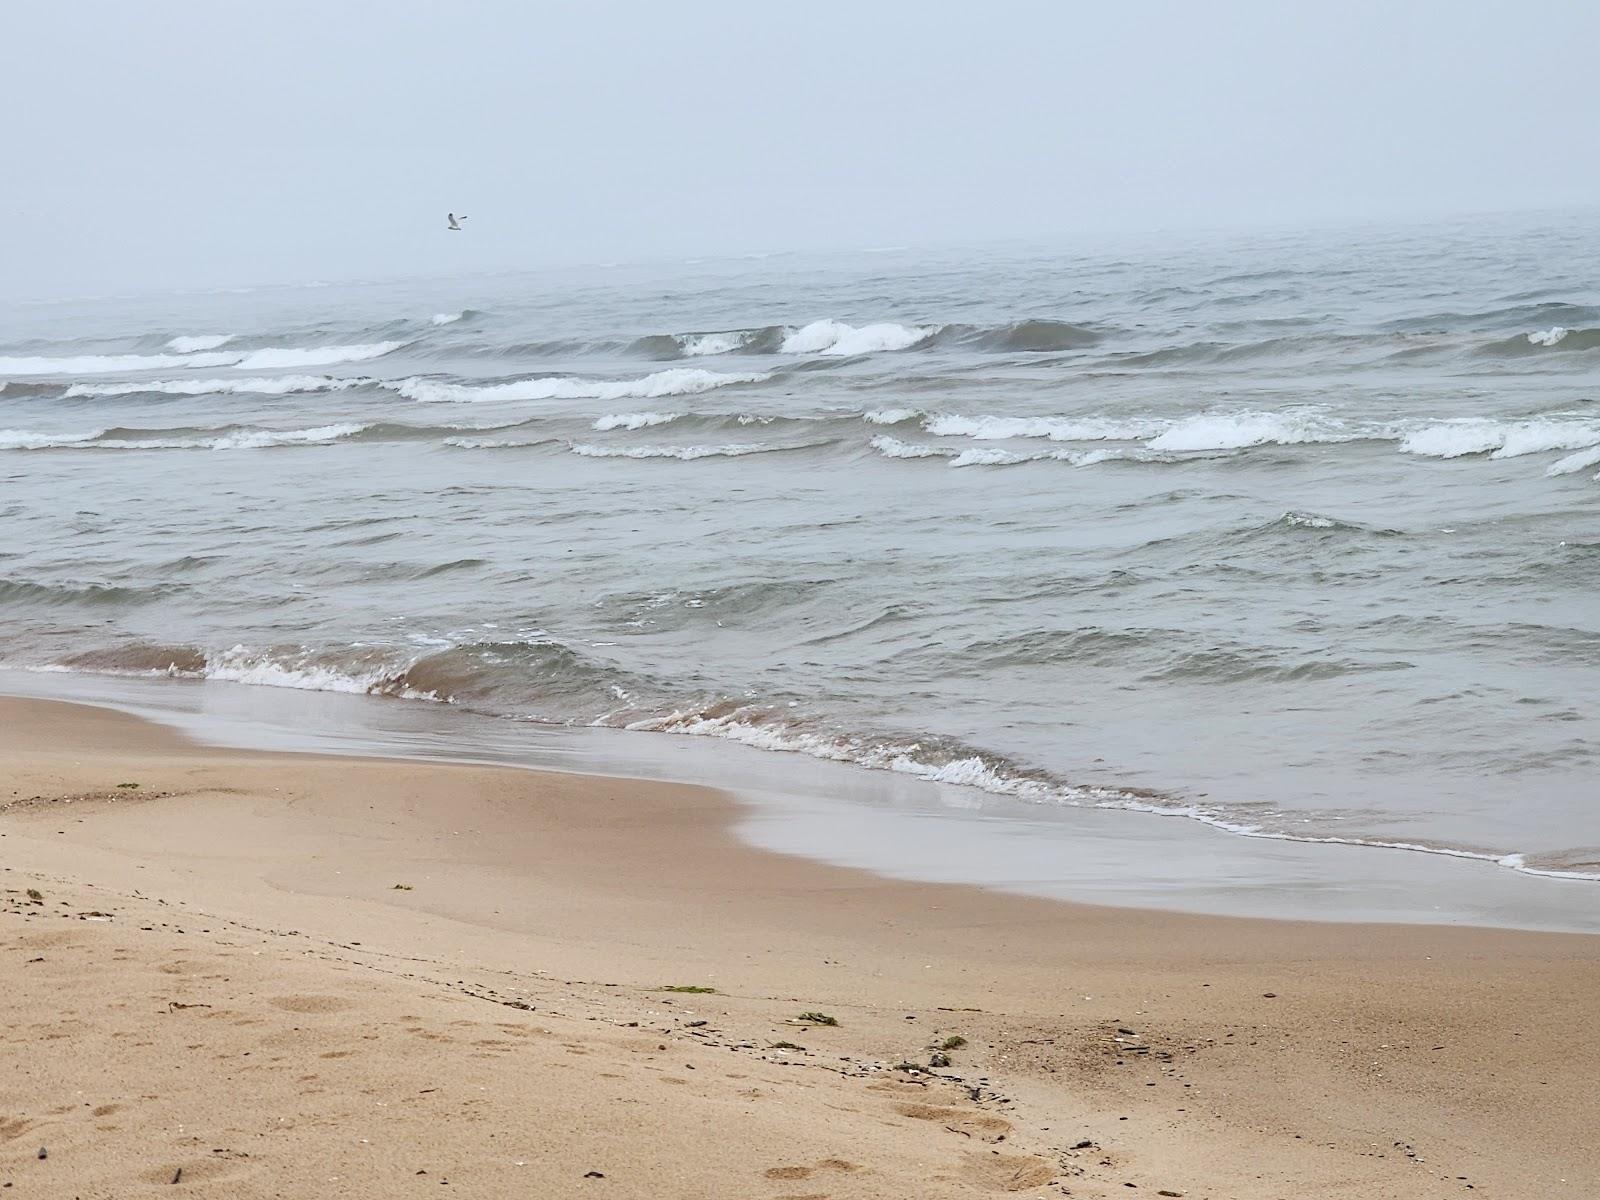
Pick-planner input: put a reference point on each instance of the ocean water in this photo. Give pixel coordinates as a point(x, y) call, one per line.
point(1295, 535)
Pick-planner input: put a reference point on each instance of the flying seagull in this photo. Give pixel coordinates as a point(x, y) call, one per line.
point(455, 221)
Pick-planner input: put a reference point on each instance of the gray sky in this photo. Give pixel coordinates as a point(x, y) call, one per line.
point(154, 145)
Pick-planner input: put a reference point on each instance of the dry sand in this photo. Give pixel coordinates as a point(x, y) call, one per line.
point(289, 976)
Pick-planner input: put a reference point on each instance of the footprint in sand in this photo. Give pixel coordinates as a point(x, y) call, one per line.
point(1008, 1172)
point(827, 1164)
point(959, 1120)
point(310, 1004)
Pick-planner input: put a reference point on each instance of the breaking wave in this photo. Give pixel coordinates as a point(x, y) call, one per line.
point(280, 385)
point(697, 345)
point(1056, 429)
point(268, 359)
point(988, 456)
point(234, 439)
point(832, 338)
point(639, 420)
point(1237, 430)
point(680, 381)
point(836, 339)
point(1215, 431)
point(288, 357)
point(1499, 439)
point(25, 439)
point(483, 443)
point(204, 341)
point(1573, 463)
point(944, 761)
point(1560, 338)
point(1203, 431)
point(684, 453)
point(890, 416)
point(543, 679)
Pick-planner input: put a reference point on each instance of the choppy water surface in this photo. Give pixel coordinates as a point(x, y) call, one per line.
point(1296, 535)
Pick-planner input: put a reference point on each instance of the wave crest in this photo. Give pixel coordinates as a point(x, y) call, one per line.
point(133, 439)
point(281, 385)
point(287, 357)
point(1499, 439)
point(1036, 336)
point(203, 341)
point(836, 339)
point(103, 364)
point(1237, 430)
point(683, 453)
point(638, 420)
point(677, 381)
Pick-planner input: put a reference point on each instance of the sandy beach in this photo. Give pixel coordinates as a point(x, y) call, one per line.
point(237, 974)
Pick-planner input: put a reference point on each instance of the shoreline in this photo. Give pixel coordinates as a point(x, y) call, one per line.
point(895, 825)
point(277, 904)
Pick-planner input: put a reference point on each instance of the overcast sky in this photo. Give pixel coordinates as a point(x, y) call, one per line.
point(154, 145)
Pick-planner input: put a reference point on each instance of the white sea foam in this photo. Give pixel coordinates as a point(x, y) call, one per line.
point(1574, 463)
point(1056, 429)
point(26, 439)
point(992, 777)
point(280, 385)
point(686, 453)
point(889, 416)
point(1499, 439)
point(203, 341)
point(446, 318)
point(101, 364)
point(242, 665)
point(239, 439)
point(1237, 430)
point(1549, 337)
point(837, 338)
point(1202, 431)
point(994, 456)
point(478, 443)
point(697, 345)
point(989, 456)
point(1308, 520)
point(894, 448)
point(257, 439)
point(1088, 458)
point(287, 357)
point(638, 420)
point(679, 381)
point(1536, 437)
point(270, 359)
point(1452, 439)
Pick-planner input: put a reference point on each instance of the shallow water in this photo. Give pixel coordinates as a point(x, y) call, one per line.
point(1297, 536)
point(887, 822)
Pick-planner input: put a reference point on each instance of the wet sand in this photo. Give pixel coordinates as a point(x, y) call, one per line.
point(293, 975)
